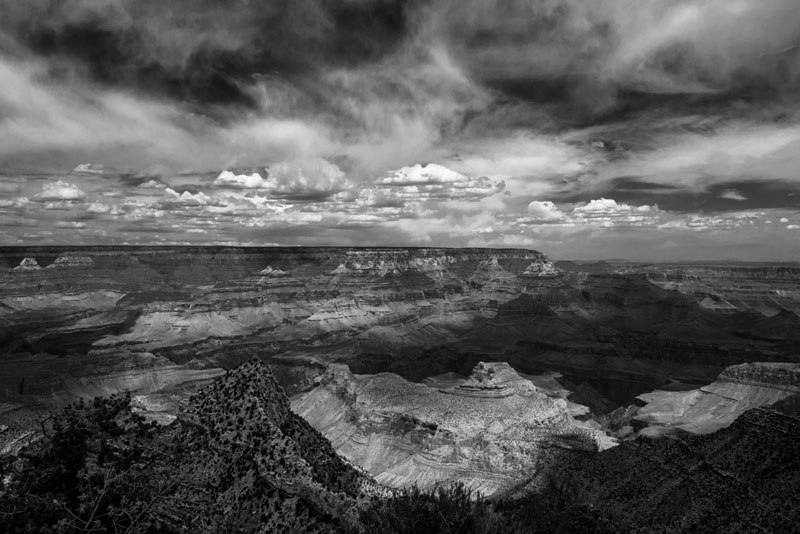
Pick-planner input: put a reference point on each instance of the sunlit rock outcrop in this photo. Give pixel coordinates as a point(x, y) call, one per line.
point(738, 389)
point(490, 432)
point(540, 268)
point(71, 260)
point(28, 264)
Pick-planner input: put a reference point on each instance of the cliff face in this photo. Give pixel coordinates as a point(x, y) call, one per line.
point(767, 288)
point(491, 432)
point(739, 388)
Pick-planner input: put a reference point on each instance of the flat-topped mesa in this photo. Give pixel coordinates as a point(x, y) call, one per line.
point(27, 264)
point(71, 260)
point(440, 259)
point(541, 268)
point(273, 273)
point(775, 375)
point(493, 381)
point(214, 265)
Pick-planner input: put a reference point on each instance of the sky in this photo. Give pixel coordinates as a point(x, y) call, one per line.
point(611, 129)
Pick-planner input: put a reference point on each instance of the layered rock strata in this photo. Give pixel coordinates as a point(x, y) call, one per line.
point(491, 432)
point(182, 313)
point(157, 309)
point(709, 408)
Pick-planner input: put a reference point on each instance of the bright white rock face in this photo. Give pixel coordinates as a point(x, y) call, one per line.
point(489, 431)
point(28, 264)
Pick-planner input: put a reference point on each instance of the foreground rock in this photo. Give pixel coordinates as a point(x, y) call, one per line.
point(491, 432)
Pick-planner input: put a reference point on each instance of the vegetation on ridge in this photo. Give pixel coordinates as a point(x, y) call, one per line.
point(236, 460)
point(239, 460)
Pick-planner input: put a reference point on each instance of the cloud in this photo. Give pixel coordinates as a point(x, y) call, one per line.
point(608, 206)
point(59, 190)
point(694, 161)
point(17, 202)
point(600, 213)
point(432, 182)
point(99, 207)
point(69, 224)
point(590, 50)
point(60, 205)
point(240, 181)
point(174, 199)
point(152, 184)
point(306, 179)
point(419, 175)
point(544, 210)
point(732, 194)
point(545, 123)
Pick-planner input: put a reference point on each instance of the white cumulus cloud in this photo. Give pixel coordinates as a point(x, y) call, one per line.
point(241, 181)
point(544, 210)
point(609, 206)
point(173, 198)
point(59, 190)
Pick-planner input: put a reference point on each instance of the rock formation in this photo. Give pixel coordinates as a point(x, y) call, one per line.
point(71, 260)
point(700, 411)
point(269, 271)
point(28, 264)
point(763, 288)
point(493, 431)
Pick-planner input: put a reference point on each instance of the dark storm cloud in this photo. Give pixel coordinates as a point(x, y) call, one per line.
point(601, 57)
point(608, 54)
point(206, 51)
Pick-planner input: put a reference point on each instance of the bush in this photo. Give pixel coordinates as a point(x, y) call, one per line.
point(456, 509)
point(89, 474)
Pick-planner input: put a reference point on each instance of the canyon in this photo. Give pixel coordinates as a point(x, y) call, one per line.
point(420, 365)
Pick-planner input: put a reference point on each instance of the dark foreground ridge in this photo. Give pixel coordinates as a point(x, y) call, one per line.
point(237, 459)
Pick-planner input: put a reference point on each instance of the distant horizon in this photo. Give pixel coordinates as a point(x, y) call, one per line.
point(52, 248)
